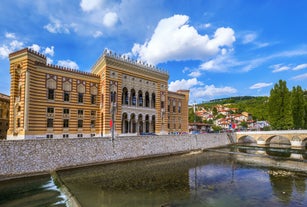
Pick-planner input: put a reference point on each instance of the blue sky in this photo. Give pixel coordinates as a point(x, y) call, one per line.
point(215, 48)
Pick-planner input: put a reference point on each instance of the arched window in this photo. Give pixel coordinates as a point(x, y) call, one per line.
point(147, 123)
point(146, 99)
point(125, 100)
point(133, 123)
point(125, 123)
point(140, 98)
point(133, 97)
point(153, 123)
point(153, 100)
point(140, 123)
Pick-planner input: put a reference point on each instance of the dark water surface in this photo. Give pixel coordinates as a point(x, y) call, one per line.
point(235, 176)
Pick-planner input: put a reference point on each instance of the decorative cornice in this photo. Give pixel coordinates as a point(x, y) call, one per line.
point(125, 59)
point(27, 50)
point(57, 67)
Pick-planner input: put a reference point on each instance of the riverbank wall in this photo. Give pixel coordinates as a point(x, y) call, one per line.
point(40, 156)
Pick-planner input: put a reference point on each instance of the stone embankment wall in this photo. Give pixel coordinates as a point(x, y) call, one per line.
point(21, 157)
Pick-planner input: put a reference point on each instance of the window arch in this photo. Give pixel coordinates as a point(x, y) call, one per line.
point(153, 100)
point(125, 98)
point(133, 97)
point(140, 98)
point(147, 99)
point(125, 124)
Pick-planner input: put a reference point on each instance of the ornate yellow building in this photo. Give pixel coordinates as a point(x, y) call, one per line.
point(4, 115)
point(119, 96)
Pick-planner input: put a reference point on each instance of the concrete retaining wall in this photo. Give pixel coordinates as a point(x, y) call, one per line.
point(21, 157)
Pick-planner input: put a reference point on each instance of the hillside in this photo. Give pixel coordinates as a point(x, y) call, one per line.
point(254, 105)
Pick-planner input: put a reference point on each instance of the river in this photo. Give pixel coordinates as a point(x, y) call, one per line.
point(229, 176)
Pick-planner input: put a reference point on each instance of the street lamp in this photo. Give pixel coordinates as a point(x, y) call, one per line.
point(162, 117)
point(113, 109)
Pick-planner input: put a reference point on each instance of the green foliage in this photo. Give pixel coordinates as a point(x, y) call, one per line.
point(244, 124)
point(298, 107)
point(193, 117)
point(216, 128)
point(279, 105)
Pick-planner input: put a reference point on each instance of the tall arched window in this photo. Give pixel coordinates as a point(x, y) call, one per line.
point(133, 97)
point(153, 100)
point(125, 98)
point(140, 98)
point(146, 99)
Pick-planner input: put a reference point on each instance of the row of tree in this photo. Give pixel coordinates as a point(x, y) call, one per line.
point(284, 109)
point(287, 109)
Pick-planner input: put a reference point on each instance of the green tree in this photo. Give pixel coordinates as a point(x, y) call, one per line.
point(244, 124)
point(193, 117)
point(279, 105)
point(214, 111)
point(298, 107)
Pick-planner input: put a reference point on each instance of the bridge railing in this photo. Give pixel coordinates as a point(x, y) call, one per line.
point(276, 132)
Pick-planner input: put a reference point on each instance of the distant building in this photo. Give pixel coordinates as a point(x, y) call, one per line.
point(4, 115)
point(49, 101)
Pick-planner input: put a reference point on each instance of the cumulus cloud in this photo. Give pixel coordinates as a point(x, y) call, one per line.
point(68, 64)
point(56, 26)
point(260, 85)
point(110, 19)
point(10, 35)
point(90, 5)
point(183, 84)
point(209, 91)
point(195, 74)
point(300, 67)
point(35, 47)
point(11, 44)
point(49, 51)
point(175, 39)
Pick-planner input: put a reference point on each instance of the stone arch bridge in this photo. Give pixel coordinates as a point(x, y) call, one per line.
point(296, 138)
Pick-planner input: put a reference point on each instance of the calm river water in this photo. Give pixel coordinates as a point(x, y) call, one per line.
point(234, 176)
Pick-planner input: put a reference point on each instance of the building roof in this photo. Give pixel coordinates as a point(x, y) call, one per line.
point(4, 97)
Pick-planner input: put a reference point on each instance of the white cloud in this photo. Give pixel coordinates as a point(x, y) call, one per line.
point(300, 67)
point(4, 51)
point(195, 74)
point(10, 45)
point(97, 34)
point(68, 64)
point(260, 85)
point(300, 77)
point(212, 91)
point(174, 39)
point(15, 44)
point(183, 84)
point(56, 26)
point(279, 67)
point(221, 63)
point(10, 35)
point(49, 60)
point(35, 47)
point(110, 19)
point(49, 51)
point(90, 5)
point(248, 38)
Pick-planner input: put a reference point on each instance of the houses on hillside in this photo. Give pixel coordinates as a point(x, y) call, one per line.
point(229, 118)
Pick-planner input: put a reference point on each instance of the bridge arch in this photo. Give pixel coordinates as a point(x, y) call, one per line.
point(278, 140)
point(246, 139)
point(297, 138)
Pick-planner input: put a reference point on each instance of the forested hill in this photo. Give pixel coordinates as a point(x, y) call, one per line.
point(257, 106)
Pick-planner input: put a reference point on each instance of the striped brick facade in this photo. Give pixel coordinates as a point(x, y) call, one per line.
point(49, 101)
